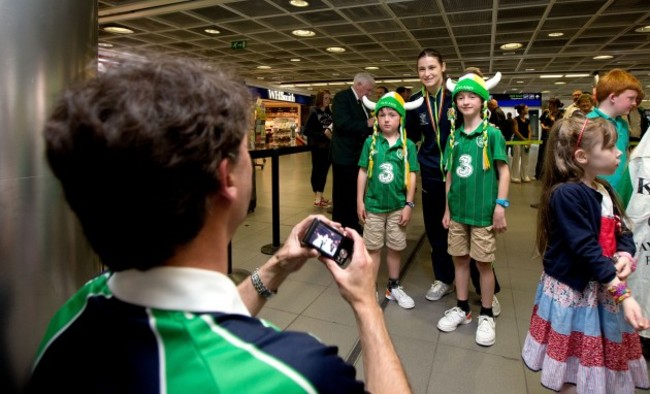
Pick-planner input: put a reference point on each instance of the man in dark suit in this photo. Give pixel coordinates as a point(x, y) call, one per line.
point(352, 124)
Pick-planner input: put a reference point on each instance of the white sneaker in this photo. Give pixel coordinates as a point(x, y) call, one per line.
point(526, 179)
point(453, 318)
point(515, 180)
point(496, 307)
point(486, 332)
point(438, 290)
point(403, 299)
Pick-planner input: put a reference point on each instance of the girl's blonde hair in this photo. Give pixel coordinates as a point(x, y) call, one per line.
point(560, 165)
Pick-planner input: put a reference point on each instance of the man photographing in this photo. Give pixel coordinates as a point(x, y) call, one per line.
point(153, 160)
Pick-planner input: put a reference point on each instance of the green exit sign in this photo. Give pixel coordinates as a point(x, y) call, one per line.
point(238, 44)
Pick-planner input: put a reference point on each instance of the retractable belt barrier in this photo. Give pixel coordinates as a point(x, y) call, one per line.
point(531, 142)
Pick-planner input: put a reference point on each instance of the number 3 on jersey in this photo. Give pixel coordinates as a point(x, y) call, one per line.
point(464, 168)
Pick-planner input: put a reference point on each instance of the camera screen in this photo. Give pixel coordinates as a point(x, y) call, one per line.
point(325, 239)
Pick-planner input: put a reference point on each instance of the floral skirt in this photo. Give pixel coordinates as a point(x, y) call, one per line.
point(582, 338)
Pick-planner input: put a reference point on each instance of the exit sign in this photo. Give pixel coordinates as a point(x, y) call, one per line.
point(238, 44)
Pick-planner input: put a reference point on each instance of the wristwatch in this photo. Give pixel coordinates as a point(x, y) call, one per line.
point(410, 204)
point(262, 290)
point(503, 202)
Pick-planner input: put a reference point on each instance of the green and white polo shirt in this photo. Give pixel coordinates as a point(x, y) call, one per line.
point(385, 191)
point(178, 330)
point(473, 190)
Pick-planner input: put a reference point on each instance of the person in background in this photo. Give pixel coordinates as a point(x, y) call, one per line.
point(585, 104)
point(617, 93)
point(429, 125)
point(522, 132)
point(582, 329)
point(380, 91)
point(402, 91)
point(386, 187)
point(352, 124)
point(547, 120)
point(318, 130)
point(568, 112)
point(497, 117)
point(477, 196)
point(152, 157)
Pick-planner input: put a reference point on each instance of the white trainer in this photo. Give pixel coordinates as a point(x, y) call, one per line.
point(486, 332)
point(438, 290)
point(496, 306)
point(398, 294)
point(453, 318)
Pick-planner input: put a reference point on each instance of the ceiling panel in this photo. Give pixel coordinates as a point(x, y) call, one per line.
point(390, 34)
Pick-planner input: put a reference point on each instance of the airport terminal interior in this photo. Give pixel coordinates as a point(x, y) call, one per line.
point(286, 51)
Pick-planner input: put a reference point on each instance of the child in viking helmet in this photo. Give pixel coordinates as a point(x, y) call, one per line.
point(387, 177)
point(477, 196)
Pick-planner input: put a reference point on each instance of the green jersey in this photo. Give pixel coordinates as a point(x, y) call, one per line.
point(385, 190)
point(473, 192)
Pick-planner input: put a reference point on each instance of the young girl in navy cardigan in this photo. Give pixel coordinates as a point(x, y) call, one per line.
point(582, 330)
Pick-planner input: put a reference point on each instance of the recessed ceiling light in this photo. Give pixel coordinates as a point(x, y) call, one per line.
point(105, 45)
point(295, 59)
point(644, 29)
point(303, 33)
point(299, 3)
point(264, 67)
point(335, 74)
point(409, 86)
point(335, 49)
point(530, 69)
point(372, 68)
point(602, 57)
point(212, 31)
point(385, 60)
point(118, 30)
point(556, 34)
point(548, 76)
point(579, 75)
point(546, 91)
point(560, 83)
point(511, 46)
point(520, 81)
point(260, 77)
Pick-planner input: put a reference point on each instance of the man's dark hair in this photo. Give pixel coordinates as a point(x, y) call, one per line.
point(137, 149)
point(400, 90)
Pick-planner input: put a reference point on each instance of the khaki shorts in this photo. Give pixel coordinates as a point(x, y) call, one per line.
point(384, 226)
point(480, 243)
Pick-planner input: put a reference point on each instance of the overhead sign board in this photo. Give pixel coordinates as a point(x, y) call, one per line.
point(238, 44)
point(513, 99)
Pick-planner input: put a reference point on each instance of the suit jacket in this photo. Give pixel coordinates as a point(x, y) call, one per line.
point(350, 128)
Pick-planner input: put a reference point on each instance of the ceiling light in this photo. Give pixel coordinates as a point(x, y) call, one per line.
point(337, 83)
point(530, 69)
point(514, 89)
point(549, 76)
point(335, 74)
point(602, 57)
point(295, 59)
point(560, 83)
point(556, 34)
point(385, 60)
point(212, 31)
point(411, 80)
point(303, 33)
point(299, 3)
point(335, 49)
point(260, 77)
point(511, 46)
point(546, 91)
point(520, 81)
point(644, 29)
point(105, 45)
point(264, 67)
point(118, 30)
point(409, 86)
point(319, 84)
point(580, 75)
point(372, 68)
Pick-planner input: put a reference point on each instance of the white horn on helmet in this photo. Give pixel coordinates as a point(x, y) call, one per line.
point(369, 104)
point(492, 82)
point(413, 104)
point(450, 85)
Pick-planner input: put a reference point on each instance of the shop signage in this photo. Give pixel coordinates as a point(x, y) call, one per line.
point(281, 96)
point(512, 99)
point(238, 44)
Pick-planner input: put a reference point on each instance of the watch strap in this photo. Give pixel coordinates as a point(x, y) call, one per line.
point(259, 286)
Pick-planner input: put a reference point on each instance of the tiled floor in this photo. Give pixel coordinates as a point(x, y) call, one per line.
point(435, 362)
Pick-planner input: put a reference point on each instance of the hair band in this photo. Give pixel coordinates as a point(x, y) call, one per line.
point(582, 131)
